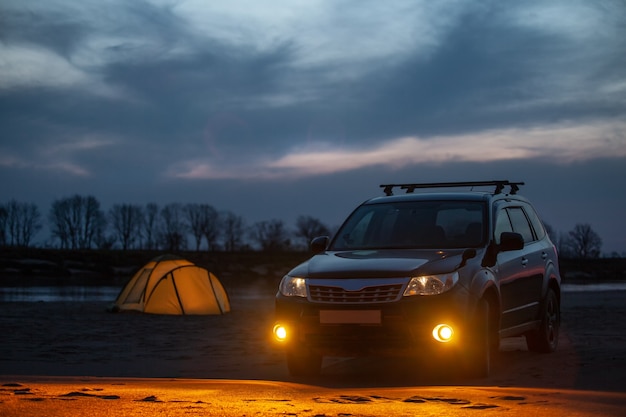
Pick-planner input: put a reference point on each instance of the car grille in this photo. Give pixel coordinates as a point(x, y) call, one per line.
point(338, 295)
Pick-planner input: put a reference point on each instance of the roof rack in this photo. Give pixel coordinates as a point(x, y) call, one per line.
point(388, 188)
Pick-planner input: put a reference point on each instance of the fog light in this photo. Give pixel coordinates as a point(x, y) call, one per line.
point(280, 332)
point(443, 333)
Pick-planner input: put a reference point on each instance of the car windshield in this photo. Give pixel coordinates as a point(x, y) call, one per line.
point(414, 224)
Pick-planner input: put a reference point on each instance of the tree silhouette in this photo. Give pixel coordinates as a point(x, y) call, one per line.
point(4, 215)
point(151, 226)
point(126, 220)
point(19, 223)
point(174, 227)
point(271, 235)
point(203, 223)
point(233, 227)
point(308, 227)
point(583, 243)
point(76, 221)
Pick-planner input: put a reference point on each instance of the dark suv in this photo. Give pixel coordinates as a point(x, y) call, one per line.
point(430, 273)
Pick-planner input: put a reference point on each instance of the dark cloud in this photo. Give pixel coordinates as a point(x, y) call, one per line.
point(55, 31)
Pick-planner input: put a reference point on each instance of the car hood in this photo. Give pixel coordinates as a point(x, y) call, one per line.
point(378, 263)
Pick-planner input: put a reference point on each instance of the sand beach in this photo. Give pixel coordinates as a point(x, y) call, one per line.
point(81, 340)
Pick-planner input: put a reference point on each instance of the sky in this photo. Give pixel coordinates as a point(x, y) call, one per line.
point(277, 109)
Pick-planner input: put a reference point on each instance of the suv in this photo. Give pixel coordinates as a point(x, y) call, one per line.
point(427, 274)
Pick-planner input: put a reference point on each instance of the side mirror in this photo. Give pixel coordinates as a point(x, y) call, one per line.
point(467, 254)
point(511, 241)
point(319, 244)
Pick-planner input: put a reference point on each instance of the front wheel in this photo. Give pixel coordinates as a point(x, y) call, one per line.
point(545, 338)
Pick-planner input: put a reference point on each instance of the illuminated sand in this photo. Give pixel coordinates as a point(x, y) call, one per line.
point(139, 397)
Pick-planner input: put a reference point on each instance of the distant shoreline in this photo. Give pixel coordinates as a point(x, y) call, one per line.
point(55, 267)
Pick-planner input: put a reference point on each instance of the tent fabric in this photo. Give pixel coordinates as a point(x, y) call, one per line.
point(168, 285)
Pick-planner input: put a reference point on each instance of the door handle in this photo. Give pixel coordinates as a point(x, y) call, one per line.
point(524, 261)
point(544, 256)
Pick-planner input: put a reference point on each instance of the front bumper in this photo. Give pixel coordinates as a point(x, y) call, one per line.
point(400, 328)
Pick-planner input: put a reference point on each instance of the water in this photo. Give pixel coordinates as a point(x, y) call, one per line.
point(605, 286)
point(58, 294)
point(109, 294)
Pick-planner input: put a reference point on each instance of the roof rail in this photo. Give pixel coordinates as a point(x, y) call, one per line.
point(388, 188)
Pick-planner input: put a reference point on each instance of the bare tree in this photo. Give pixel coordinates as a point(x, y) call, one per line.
point(196, 220)
point(151, 226)
point(583, 243)
point(126, 220)
point(308, 227)
point(271, 235)
point(232, 230)
point(77, 221)
point(31, 223)
point(94, 222)
point(210, 225)
point(174, 228)
point(202, 219)
point(60, 224)
point(22, 222)
point(4, 215)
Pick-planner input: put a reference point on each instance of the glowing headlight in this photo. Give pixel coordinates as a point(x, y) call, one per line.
point(280, 333)
point(292, 287)
point(443, 333)
point(431, 284)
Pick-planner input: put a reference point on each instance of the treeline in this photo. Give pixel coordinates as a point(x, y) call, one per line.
point(582, 242)
point(78, 223)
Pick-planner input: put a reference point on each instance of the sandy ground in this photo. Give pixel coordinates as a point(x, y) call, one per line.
point(83, 343)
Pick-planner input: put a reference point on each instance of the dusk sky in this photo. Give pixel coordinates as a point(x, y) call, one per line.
point(275, 109)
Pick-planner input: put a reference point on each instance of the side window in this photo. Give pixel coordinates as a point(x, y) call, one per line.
point(540, 231)
point(503, 224)
point(520, 223)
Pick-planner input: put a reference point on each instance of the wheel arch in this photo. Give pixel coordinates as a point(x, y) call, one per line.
point(485, 287)
point(553, 281)
point(492, 297)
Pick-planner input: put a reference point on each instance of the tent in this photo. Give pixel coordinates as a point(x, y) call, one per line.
point(171, 285)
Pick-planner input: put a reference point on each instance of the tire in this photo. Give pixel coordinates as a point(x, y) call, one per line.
point(545, 338)
point(303, 362)
point(478, 353)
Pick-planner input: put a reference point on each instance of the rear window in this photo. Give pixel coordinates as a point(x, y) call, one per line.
point(417, 224)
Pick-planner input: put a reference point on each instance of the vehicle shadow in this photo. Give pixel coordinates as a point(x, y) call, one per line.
point(512, 366)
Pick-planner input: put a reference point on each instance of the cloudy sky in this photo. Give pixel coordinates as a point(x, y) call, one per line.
point(275, 109)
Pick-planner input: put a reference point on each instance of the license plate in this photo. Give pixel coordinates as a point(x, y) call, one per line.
point(350, 317)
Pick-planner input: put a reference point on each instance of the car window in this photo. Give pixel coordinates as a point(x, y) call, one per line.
point(520, 224)
point(503, 224)
point(414, 224)
point(540, 231)
point(463, 226)
point(359, 229)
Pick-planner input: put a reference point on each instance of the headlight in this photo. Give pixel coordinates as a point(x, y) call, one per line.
point(292, 286)
point(431, 284)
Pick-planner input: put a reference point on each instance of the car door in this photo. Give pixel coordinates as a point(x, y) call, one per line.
point(520, 272)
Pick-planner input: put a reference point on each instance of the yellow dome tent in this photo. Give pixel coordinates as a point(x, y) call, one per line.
point(171, 285)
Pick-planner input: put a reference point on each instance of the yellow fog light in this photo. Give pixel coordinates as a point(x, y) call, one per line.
point(443, 333)
point(280, 332)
